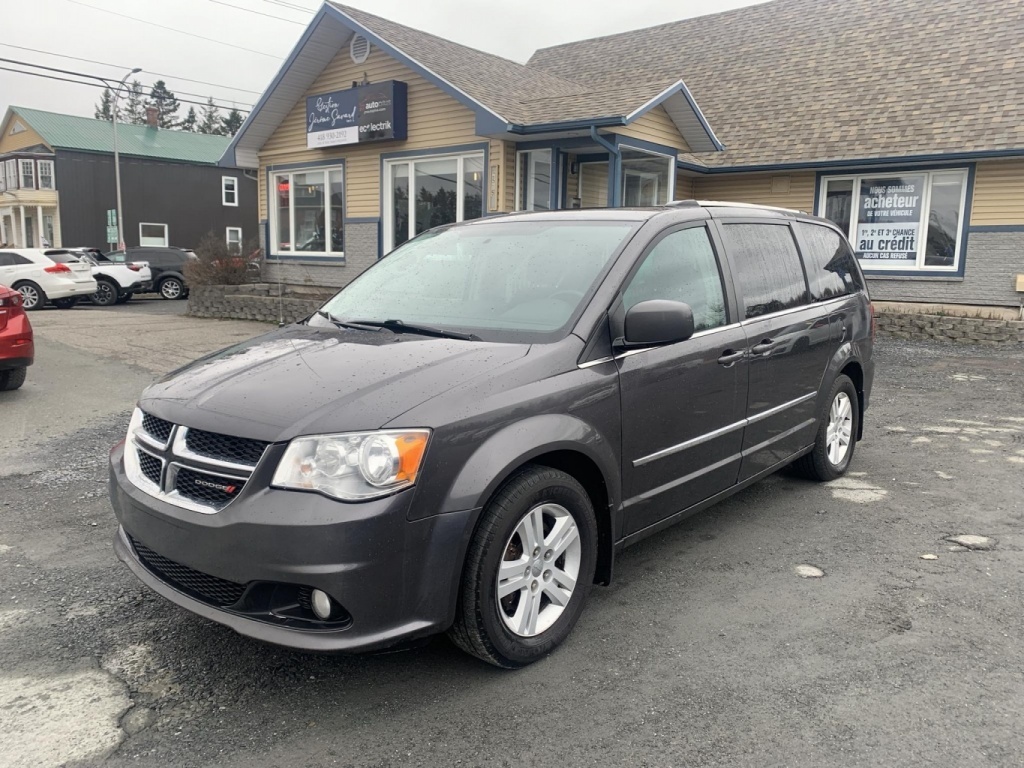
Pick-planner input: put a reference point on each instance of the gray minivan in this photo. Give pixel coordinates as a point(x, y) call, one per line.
point(463, 437)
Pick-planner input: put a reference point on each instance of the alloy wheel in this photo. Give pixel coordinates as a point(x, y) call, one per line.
point(840, 429)
point(29, 296)
point(539, 569)
point(170, 289)
point(105, 294)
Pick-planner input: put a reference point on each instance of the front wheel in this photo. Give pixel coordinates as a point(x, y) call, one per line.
point(838, 426)
point(106, 293)
point(172, 288)
point(32, 296)
point(529, 568)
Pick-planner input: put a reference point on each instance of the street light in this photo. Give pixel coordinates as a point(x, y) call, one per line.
point(117, 159)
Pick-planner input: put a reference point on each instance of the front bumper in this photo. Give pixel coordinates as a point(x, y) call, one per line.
point(396, 579)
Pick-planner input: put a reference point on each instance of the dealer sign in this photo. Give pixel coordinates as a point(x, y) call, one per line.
point(367, 113)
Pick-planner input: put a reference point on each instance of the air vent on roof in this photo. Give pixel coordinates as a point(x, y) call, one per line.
point(359, 49)
point(17, 128)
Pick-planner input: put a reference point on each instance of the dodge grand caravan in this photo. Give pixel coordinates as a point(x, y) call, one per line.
point(463, 437)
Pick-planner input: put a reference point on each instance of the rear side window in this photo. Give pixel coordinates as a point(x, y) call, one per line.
point(62, 257)
point(767, 266)
point(13, 260)
point(831, 268)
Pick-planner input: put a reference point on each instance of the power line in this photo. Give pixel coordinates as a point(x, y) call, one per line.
point(259, 13)
point(291, 6)
point(173, 29)
point(124, 66)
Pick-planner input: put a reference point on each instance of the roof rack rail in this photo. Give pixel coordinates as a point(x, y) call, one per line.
point(725, 204)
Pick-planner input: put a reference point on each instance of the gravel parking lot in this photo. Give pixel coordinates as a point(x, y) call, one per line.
point(708, 650)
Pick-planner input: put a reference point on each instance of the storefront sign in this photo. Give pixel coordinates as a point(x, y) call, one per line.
point(368, 113)
point(889, 219)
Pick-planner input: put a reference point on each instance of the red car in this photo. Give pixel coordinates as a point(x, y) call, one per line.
point(17, 350)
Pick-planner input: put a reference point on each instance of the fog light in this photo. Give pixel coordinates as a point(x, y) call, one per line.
point(321, 604)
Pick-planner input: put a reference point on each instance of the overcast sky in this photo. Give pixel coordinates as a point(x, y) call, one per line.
point(511, 29)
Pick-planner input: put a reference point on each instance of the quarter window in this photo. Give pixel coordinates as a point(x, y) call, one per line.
point(767, 265)
point(46, 174)
point(682, 267)
point(831, 267)
point(229, 190)
point(534, 181)
point(308, 212)
point(28, 174)
point(910, 221)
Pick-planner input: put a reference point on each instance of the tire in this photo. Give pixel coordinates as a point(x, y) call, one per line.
point(830, 459)
point(106, 293)
point(10, 380)
point(67, 303)
point(33, 297)
point(504, 631)
point(171, 288)
point(124, 298)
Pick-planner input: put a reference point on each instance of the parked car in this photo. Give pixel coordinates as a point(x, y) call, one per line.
point(465, 435)
point(167, 266)
point(59, 277)
point(116, 282)
point(17, 349)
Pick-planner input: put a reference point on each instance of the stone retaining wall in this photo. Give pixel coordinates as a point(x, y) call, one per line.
point(963, 330)
point(257, 301)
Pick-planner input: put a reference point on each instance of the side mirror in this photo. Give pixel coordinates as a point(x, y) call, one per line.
point(658, 322)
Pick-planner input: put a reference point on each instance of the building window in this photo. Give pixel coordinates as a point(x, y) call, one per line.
point(229, 190)
point(234, 239)
point(28, 174)
point(910, 221)
point(427, 192)
point(153, 235)
point(11, 173)
point(533, 180)
point(308, 212)
point(48, 225)
point(46, 174)
point(647, 178)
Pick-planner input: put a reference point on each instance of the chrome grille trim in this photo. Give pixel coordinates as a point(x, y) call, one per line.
point(182, 450)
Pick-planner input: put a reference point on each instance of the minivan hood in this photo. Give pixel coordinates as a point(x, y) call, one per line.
point(300, 380)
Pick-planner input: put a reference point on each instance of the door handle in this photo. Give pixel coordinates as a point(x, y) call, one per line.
point(729, 357)
point(764, 348)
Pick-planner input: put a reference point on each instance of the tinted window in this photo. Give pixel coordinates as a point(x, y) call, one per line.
point(831, 269)
point(117, 257)
point(767, 266)
point(62, 257)
point(682, 267)
point(13, 260)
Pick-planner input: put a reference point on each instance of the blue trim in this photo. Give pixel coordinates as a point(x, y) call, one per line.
point(965, 231)
point(362, 220)
point(628, 142)
point(998, 228)
point(596, 157)
point(566, 143)
point(703, 122)
point(338, 162)
point(489, 125)
point(565, 125)
point(556, 176)
point(614, 168)
point(565, 181)
point(310, 164)
point(458, 149)
point(680, 88)
point(334, 261)
point(839, 165)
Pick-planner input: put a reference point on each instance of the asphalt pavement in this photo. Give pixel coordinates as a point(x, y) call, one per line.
point(708, 650)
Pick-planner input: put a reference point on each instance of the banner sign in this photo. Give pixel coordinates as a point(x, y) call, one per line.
point(889, 220)
point(367, 113)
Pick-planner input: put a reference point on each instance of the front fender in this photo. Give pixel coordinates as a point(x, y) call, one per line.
point(517, 444)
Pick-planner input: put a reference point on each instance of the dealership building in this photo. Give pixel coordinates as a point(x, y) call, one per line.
point(901, 122)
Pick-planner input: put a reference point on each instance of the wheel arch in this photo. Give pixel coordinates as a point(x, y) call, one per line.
point(846, 363)
point(855, 372)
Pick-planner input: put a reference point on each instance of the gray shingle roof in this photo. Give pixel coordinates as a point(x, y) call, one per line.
point(795, 81)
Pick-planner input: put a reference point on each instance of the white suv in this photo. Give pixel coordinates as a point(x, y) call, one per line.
point(60, 277)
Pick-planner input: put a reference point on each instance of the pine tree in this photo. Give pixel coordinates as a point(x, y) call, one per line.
point(134, 105)
point(105, 109)
point(166, 103)
point(209, 121)
point(191, 121)
point(229, 125)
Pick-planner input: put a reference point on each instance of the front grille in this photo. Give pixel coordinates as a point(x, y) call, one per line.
point(238, 450)
point(209, 589)
point(156, 428)
point(150, 466)
point(213, 490)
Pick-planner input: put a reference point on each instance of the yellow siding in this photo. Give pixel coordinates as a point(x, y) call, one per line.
point(435, 120)
point(998, 193)
point(26, 138)
point(684, 187)
point(795, 190)
point(503, 154)
point(655, 126)
point(595, 185)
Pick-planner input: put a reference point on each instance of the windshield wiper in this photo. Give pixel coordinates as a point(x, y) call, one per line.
point(347, 324)
point(397, 326)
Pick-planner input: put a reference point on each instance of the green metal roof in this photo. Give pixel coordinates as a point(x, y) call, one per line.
point(88, 135)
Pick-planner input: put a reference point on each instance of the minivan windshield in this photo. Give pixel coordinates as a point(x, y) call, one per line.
point(520, 280)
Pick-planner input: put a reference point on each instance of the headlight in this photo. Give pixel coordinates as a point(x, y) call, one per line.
point(354, 466)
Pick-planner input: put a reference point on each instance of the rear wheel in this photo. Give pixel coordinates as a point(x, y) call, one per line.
point(106, 293)
point(12, 379)
point(32, 296)
point(67, 303)
point(838, 426)
point(172, 288)
point(528, 570)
